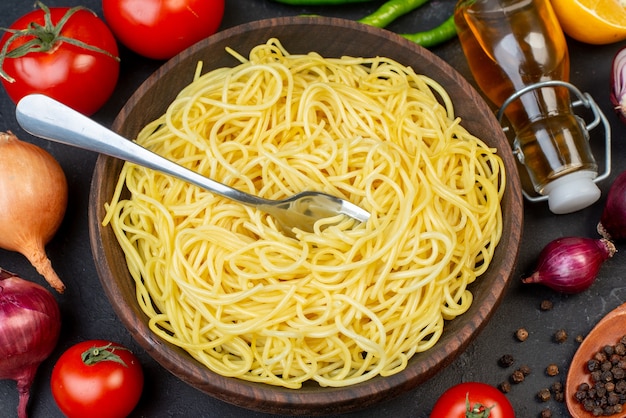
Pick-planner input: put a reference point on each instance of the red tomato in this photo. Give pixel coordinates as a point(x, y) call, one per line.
point(483, 399)
point(82, 78)
point(160, 29)
point(106, 388)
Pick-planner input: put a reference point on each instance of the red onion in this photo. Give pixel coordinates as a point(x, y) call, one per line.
point(571, 264)
point(618, 83)
point(30, 322)
point(612, 223)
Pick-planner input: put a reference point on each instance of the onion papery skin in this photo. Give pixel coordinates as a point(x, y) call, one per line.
point(612, 223)
point(30, 324)
point(571, 264)
point(34, 194)
point(618, 84)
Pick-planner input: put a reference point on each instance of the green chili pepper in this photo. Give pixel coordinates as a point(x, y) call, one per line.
point(390, 11)
point(319, 2)
point(435, 36)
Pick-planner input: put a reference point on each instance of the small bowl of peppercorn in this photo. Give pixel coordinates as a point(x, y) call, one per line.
point(596, 380)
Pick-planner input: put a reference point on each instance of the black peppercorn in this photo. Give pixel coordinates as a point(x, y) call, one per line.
point(596, 375)
point(505, 387)
point(593, 365)
point(606, 365)
point(606, 376)
point(618, 373)
point(524, 369)
point(521, 334)
point(609, 386)
point(559, 396)
point(580, 395)
point(560, 336)
point(544, 395)
point(556, 387)
point(545, 413)
point(546, 305)
point(506, 360)
point(615, 358)
point(552, 370)
point(517, 377)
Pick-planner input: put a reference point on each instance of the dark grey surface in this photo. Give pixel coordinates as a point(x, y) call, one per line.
point(87, 313)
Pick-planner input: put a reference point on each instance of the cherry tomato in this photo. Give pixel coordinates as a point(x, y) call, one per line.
point(97, 378)
point(483, 400)
point(77, 63)
point(160, 29)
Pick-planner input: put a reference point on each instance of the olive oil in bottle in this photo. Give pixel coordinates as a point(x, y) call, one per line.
point(511, 45)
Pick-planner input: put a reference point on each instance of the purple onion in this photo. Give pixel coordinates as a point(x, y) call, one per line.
point(618, 83)
point(571, 264)
point(30, 323)
point(612, 223)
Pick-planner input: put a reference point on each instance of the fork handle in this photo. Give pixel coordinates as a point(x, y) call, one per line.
point(49, 119)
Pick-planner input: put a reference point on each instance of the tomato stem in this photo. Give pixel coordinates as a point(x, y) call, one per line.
point(44, 38)
point(477, 410)
point(95, 355)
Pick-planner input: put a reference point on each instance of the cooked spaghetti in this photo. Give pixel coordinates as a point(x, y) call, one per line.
point(343, 304)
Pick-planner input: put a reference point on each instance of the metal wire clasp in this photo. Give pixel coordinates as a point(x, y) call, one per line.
point(583, 99)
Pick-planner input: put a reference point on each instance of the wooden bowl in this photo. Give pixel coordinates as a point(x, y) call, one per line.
point(330, 37)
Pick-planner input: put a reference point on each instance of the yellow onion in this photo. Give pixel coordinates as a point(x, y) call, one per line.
point(33, 200)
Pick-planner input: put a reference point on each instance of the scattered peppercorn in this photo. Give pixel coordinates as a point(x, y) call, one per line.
point(524, 369)
point(506, 360)
point(545, 413)
point(521, 334)
point(556, 387)
point(505, 387)
point(579, 338)
point(606, 395)
point(517, 376)
point(544, 395)
point(546, 305)
point(560, 336)
point(552, 369)
point(557, 390)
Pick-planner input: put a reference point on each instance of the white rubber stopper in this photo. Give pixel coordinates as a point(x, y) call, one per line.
point(572, 192)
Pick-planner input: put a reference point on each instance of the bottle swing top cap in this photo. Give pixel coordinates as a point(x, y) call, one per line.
point(572, 192)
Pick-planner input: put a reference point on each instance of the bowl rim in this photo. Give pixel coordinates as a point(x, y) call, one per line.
point(310, 400)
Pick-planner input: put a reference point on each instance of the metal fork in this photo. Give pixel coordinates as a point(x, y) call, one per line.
point(49, 119)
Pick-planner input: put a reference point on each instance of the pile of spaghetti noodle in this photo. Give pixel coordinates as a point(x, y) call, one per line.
point(347, 302)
